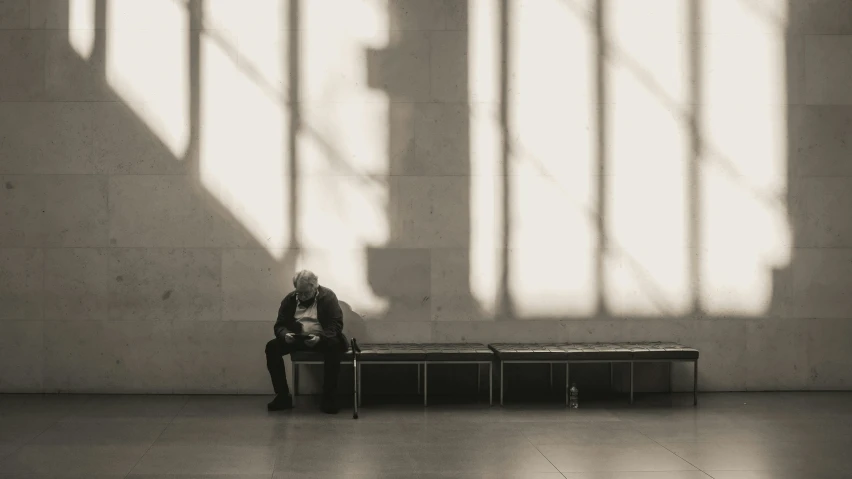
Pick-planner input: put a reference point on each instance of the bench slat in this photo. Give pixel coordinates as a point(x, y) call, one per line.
point(592, 351)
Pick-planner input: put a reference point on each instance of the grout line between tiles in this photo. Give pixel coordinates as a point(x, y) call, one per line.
point(21, 445)
point(667, 449)
point(543, 455)
point(183, 406)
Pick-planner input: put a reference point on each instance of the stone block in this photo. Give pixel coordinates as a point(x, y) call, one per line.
point(164, 284)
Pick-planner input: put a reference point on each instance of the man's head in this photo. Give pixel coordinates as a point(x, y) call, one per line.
point(306, 284)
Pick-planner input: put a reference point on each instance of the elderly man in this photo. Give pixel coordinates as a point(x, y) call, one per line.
point(309, 319)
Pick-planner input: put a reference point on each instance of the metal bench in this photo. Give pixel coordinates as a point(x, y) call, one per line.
point(419, 354)
point(424, 354)
point(567, 353)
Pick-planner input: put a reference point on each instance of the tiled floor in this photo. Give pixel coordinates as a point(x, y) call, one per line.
point(729, 436)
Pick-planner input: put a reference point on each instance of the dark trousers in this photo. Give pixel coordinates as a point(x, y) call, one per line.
point(332, 351)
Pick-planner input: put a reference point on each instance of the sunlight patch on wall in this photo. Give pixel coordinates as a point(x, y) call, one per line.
point(727, 56)
point(740, 16)
point(553, 241)
point(81, 26)
point(647, 57)
point(344, 191)
point(485, 213)
point(243, 148)
point(483, 47)
point(647, 258)
point(646, 262)
point(485, 144)
point(344, 270)
point(341, 142)
point(552, 218)
point(148, 65)
point(341, 211)
point(335, 66)
point(344, 146)
point(253, 35)
point(552, 235)
point(349, 138)
point(638, 21)
point(551, 26)
point(745, 233)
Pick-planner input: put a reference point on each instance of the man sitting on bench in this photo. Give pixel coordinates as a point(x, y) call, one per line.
point(309, 319)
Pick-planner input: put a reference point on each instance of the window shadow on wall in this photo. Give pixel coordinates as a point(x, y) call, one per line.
point(423, 271)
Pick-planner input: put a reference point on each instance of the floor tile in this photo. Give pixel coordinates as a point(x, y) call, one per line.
point(589, 458)
point(637, 475)
point(730, 436)
point(223, 432)
point(422, 475)
point(541, 434)
point(100, 431)
point(130, 406)
point(778, 474)
point(512, 459)
point(66, 459)
point(22, 428)
point(197, 476)
point(348, 458)
point(759, 456)
point(206, 459)
point(60, 476)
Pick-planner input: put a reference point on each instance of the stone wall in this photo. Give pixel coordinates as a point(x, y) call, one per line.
point(456, 170)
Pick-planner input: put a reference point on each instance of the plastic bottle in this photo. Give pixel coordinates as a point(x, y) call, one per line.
point(574, 396)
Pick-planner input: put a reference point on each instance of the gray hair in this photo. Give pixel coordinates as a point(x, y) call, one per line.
point(305, 275)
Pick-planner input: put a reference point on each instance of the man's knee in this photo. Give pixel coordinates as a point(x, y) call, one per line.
point(333, 354)
point(333, 344)
point(273, 348)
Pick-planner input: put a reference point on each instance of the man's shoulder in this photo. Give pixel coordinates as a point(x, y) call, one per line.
point(289, 297)
point(327, 294)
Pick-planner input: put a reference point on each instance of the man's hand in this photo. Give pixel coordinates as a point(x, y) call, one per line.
point(289, 338)
point(312, 340)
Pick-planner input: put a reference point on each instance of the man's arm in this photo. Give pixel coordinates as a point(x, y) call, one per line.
point(333, 324)
point(282, 321)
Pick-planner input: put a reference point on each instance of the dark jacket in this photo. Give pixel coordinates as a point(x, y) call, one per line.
point(329, 315)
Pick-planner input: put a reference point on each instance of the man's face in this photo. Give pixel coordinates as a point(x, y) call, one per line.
point(305, 291)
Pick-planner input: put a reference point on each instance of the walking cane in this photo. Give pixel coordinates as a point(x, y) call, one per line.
point(356, 351)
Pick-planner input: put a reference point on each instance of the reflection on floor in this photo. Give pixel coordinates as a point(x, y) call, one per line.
point(729, 436)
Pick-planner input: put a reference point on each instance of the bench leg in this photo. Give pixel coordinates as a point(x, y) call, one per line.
point(360, 385)
point(671, 378)
point(478, 379)
point(501, 383)
point(631, 382)
point(695, 383)
point(610, 377)
point(425, 382)
point(295, 379)
point(567, 382)
point(491, 383)
point(419, 380)
point(551, 376)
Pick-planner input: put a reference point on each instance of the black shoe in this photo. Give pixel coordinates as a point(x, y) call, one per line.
point(280, 403)
point(329, 406)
